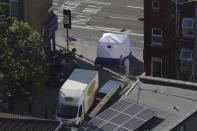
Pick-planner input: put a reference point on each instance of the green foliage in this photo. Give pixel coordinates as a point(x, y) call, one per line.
point(22, 60)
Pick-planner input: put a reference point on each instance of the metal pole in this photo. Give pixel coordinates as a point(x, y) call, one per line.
point(176, 46)
point(138, 95)
point(67, 39)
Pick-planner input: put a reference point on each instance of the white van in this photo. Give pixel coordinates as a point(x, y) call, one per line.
point(76, 96)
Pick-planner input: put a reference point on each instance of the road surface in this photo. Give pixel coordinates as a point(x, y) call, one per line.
point(91, 18)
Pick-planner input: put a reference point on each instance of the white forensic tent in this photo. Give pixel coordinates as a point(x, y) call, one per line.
point(112, 49)
point(114, 46)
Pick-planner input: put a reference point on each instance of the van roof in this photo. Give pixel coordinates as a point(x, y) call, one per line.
point(77, 83)
point(79, 79)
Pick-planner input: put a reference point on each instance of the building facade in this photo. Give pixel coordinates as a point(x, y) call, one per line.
point(169, 38)
point(39, 14)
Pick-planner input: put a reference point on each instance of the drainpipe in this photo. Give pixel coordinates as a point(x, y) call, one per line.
point(194, 64)
point(176, 46)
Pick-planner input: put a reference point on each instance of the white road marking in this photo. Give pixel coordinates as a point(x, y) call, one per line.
point(94, 2)
point(71, 5)
point(85, 15)
point(123, 18)
point(113, 30)
point(90, 10)
point(135, 7)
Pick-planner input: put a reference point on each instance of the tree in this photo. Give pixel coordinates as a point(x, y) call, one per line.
point(22, 60)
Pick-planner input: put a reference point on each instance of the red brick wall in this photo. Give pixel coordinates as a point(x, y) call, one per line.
point(164, 19)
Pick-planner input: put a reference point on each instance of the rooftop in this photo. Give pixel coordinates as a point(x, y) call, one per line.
point(173, 100)
point(154, 104)
point(23, 123)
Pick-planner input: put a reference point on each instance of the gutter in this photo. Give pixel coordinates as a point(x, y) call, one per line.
point(169, 82)
point(59, 126)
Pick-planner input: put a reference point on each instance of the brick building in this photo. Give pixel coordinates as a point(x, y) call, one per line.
point(39, 14)
point(169, 38)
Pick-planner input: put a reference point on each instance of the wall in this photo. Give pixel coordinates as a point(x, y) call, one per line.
point(36, 13)
point(165, 18)
point(195, 49)
point(189, 124)
point(147, 35)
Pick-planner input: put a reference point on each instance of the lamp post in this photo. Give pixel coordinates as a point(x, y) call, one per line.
point(67, 22)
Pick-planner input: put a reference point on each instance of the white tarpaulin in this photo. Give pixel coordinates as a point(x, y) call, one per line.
point(114, 46)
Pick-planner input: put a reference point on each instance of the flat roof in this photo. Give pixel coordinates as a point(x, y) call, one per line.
point(173, 100)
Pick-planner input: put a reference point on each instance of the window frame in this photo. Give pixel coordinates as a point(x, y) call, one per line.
point(188, 18)
point(157, 60)
point(186, 59)
point(10, 9)
point(155, 35)
point(153, 7)
point(183, 27)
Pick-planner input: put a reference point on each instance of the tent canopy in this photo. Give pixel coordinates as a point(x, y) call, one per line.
point(114, 46)
point(113, 49)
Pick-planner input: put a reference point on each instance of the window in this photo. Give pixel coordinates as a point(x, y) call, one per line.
point(66, 111)
point(156, 67)
point(186, 55)
point(155, 5)
point(156, 36)
point(186, 60)
point(14, 8)
point(187, 27)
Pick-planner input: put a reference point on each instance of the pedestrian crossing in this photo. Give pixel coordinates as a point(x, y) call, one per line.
point(82, 10)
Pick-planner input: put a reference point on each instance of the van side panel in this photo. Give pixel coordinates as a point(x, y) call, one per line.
point(90, 93)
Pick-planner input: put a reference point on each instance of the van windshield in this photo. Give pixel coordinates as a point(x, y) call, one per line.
point(66, 111)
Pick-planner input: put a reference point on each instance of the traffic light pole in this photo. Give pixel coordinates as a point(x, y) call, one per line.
point(67, 40)
point(67, 23)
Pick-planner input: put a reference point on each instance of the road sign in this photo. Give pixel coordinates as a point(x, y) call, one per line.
point(67, 19)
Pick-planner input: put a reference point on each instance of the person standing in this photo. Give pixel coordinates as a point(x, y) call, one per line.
point(127, 66)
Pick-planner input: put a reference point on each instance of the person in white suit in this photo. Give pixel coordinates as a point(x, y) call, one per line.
point(127, 65)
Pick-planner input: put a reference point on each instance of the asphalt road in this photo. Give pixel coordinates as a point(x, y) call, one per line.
point(91, 18)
